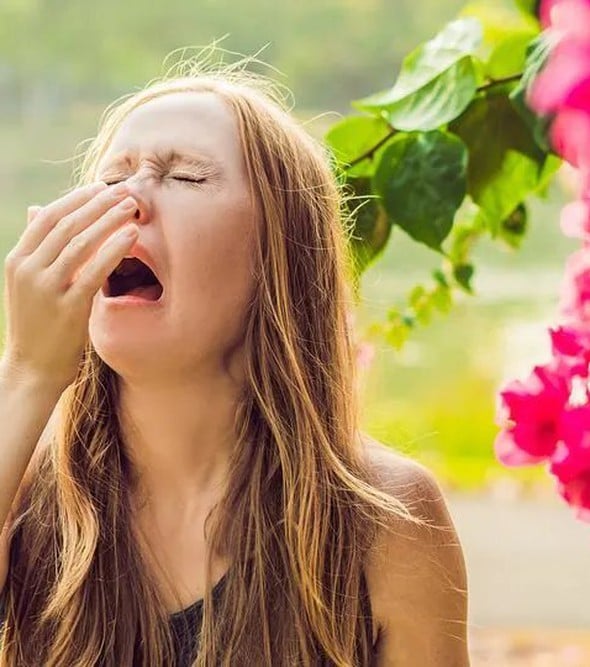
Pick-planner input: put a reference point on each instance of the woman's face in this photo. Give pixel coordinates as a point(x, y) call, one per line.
point(201, 236)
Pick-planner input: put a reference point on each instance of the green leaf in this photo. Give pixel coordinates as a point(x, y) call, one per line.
point(354, 136)
point(536, 56)
point(500, 22)
point(529, 6)
point(505, 163)
point(440, 278)
point(397, 335)
point(371, 226)
point(420, 303)
point(441, 299)
point(509, 56)
point(463, 274)
point(514, 227)
point(550, 168)
point(422, 180)
point(416, 295)
point(424, 313)
point(436, 83)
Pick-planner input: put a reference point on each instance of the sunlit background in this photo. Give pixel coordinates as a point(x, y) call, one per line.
point(62, 62)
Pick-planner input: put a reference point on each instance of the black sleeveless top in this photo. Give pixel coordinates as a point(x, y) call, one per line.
point(182, 623)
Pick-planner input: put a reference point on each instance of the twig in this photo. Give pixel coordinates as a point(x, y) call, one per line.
point(499, 82)
point(486, 86)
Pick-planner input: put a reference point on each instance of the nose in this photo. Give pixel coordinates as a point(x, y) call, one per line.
point(140, 215)
point(139, 191)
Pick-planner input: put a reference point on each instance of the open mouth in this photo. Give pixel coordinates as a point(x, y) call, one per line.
point(133, 278)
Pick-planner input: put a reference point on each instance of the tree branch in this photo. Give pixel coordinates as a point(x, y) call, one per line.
point(486, 86)
point(498, 82)
point(368, 154)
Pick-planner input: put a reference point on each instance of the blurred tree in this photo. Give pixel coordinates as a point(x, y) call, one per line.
point(330, 51)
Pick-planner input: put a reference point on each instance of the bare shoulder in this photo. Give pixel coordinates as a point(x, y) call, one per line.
point(416, 574)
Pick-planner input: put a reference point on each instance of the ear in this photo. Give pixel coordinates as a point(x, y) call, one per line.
point(32, 213)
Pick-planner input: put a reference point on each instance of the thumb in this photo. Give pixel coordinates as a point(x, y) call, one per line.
point(32, 213)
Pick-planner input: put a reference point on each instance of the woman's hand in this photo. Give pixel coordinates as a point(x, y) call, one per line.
point(64, 256)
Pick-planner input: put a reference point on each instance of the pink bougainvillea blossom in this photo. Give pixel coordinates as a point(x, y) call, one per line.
point(570, 463)
point(577, 494)
point(365, 353)
point(529, 415)
point(567, 16)
point(570, 137)
point(574, 300)
point(546, 418)
point(566, 71)
point(575, 220)
point(571, 457)
point(572, 346)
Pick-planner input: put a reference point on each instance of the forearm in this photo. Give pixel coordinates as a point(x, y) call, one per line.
point(26, 406)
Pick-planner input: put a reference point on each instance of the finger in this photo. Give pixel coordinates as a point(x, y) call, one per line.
point(73, 229)
point(83, 246)
point(105, 261)
point(32, 212)
point(38, 228)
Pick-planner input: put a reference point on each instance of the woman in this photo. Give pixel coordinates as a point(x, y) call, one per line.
point(204, 484)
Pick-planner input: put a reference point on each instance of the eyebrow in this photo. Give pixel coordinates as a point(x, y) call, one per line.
point(167, 157)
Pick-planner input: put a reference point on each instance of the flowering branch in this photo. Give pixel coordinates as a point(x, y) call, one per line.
point(546, 418)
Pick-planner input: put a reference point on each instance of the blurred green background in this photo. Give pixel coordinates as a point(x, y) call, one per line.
point(61, 63)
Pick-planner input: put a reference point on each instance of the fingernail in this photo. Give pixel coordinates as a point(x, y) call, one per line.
point(128, 203)
point(32, 212)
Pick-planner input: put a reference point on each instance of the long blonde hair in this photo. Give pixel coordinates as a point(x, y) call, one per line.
point(300, 511)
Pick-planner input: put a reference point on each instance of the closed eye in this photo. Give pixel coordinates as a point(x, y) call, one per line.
point(184, 179)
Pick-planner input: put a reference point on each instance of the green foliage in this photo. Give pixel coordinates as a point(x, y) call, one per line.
point(509, 56)
point(326, 52)
point(436, 83)
point(536, 56)
point(371, 225)
point(463, 273)
point(500, 18)
point(421, 179)
point(530, 6)
point(353, 137)
point(505, 163)
point(514, 227)
point(451, 152)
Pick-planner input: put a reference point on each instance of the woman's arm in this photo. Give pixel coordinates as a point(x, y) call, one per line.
point(25, 410)
point(418, 578)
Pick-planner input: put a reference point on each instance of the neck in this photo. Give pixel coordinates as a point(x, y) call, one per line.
point(180, 439)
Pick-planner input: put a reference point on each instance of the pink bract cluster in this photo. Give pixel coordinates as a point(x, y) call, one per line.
point(546, 418)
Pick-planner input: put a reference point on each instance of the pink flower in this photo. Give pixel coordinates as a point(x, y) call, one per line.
point(570, 463)
point(569, 16)
point(529, 414)
point(571, 457)
point(572, 346)
point(547, 417)
point(567, 69)
point(563, 86)
point(365, 353)
point(575, 289)
point(545, 12)
point(577, 494)
point(575, 220)
point(570, 136)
